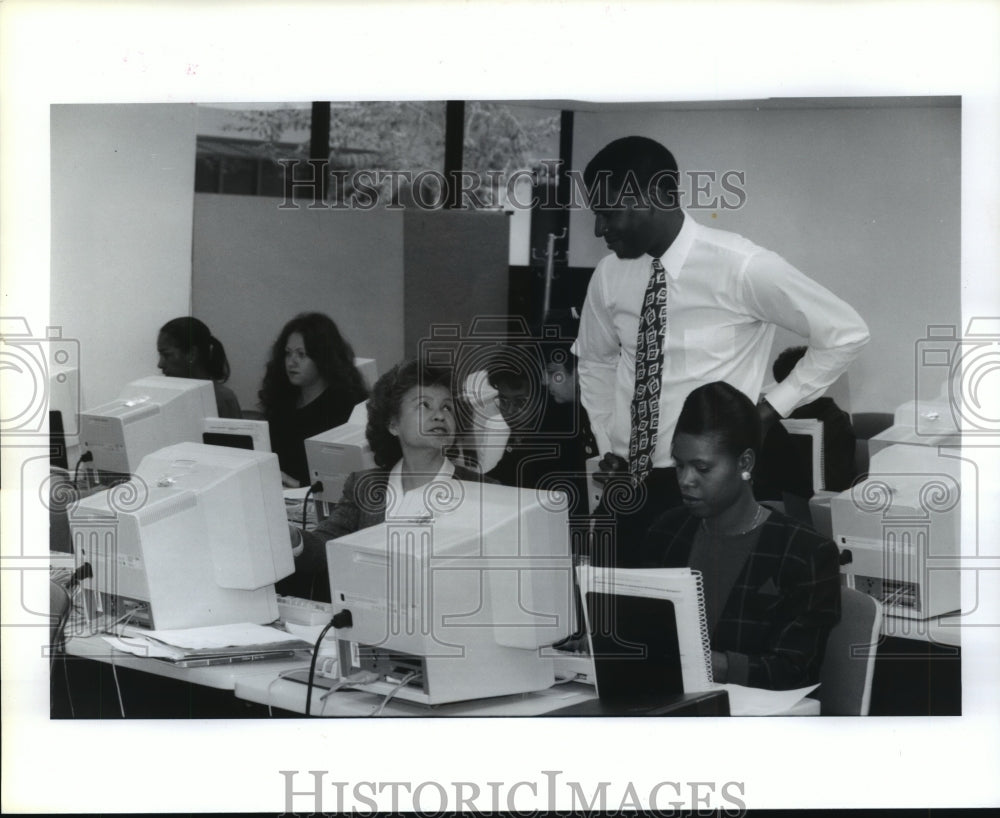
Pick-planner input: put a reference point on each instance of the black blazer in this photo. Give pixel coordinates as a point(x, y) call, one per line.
point(776, 621)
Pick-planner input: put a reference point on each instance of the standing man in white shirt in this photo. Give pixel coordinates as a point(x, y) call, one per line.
point(708, 302)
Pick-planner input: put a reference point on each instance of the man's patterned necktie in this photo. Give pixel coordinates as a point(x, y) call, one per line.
point(648, 373)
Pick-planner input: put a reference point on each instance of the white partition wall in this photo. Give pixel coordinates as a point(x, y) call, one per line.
point(384, 276)
point(122, 192)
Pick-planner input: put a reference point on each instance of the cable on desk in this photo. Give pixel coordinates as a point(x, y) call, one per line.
point(58, 642)
point(312, 665)
point(332, 689)
point(360, 677)
point(267, 694)
point(69, 690)
point(58, 637)
point(409, 677)
point(86, 457)
point(118, 688)
point(114, 667)
point(576, 677)
point(315, 487)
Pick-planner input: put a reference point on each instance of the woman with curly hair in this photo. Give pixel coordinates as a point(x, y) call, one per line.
point(187, 349)
point(411, 427)
point(311, 384)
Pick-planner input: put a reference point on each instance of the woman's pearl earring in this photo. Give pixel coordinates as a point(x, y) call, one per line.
point(745, 475)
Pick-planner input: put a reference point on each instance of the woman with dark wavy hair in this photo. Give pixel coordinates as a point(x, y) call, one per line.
point(187, 349)
point(411, 430)
point(311, 384)
point(772, 586)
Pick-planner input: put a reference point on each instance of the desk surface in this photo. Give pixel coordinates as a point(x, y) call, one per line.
point(942, 630)
point(260, 682)
point(289, 695)
point(221, 677)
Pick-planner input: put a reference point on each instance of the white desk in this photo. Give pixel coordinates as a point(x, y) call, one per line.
point(289, 695)
point(941, 630)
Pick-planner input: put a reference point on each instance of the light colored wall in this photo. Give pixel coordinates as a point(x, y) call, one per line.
point(122, 193)
point(865, 200)
point(256, 266)
point(384, 276)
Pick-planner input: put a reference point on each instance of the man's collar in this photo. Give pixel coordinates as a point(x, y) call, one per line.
point(675, 256)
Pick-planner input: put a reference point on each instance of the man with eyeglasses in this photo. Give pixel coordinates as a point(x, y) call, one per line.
point(549, 439)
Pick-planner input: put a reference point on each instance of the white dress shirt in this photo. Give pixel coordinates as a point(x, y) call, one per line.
point(725, 296)
point(410, 505)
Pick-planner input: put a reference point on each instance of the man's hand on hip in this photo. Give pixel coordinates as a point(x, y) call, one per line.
point(610, 466)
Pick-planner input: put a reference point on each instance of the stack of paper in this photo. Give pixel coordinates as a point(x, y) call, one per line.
point(218, 640)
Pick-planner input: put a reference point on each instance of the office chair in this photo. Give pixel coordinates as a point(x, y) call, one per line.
point(866, 426)
point(810, 431)
point(849, 663)
point(803, 470)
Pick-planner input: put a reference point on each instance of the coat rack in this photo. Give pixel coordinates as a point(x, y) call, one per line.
point(550, 263)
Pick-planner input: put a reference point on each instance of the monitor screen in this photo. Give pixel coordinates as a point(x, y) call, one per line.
point(235, 441)
point(239, 433)
point(197, 537)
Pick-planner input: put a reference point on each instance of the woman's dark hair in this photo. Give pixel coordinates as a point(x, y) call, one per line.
point(723, 411)
point(386, 400)
point(188, 333)
point(328, 349)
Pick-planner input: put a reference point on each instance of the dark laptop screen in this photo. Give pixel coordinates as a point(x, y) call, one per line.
point(635, 648)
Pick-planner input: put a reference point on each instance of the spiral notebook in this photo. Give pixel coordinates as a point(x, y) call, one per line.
point(647, 630)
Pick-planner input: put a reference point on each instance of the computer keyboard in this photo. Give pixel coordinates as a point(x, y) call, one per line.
point(304, 611)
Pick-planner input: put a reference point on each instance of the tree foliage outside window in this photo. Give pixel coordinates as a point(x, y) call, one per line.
point(409, 136)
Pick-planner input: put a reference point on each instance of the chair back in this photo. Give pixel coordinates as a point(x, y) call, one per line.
point(866, 426)
point(808, 433)
point(849, 662)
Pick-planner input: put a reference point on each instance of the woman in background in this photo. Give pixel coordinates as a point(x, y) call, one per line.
point(772, 586)
point(187, 349)
point(310, 385)
point(411, 426)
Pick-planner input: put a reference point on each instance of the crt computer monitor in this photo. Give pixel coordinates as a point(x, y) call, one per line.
point(902, 527)
point(469, 597)
point(150, 413)
point(332, 455)
point(368, 369)
point(64, 413)
point(197, 537)
point(239, 433)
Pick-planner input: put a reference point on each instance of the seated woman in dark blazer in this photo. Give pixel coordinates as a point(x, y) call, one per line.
point(411, 424)
point(772, 586)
